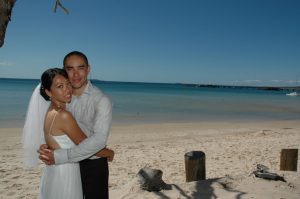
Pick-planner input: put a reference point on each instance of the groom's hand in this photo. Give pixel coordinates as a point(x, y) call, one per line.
point(106, 153)
point(111, 155)
point(46, 155)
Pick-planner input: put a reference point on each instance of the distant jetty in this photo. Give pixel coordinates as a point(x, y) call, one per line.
point(267, 88)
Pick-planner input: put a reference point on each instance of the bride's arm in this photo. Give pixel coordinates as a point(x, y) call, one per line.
point(72, 129)
point(69, 126)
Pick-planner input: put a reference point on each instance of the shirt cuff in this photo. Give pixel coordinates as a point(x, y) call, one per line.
point(60, 156)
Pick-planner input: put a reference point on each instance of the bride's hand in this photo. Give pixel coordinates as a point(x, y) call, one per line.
point(46, 155)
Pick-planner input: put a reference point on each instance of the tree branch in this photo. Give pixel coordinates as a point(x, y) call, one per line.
point(58, 3)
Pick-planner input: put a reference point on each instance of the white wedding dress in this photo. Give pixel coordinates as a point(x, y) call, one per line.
point(61, 181)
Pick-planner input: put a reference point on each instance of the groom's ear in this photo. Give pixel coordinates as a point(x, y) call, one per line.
point(89, 69)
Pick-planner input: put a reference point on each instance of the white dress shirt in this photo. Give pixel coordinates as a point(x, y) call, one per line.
point(93, 113)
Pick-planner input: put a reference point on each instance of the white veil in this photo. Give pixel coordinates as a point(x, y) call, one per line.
point(33, 130)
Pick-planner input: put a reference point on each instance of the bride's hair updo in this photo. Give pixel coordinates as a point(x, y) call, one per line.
point(47, 79)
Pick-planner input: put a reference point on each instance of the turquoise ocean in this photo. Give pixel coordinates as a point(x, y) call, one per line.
point(159, 103)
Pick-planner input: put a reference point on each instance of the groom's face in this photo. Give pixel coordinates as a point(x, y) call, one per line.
point(77, 71)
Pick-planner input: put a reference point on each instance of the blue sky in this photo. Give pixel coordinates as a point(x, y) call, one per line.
point(232, 42)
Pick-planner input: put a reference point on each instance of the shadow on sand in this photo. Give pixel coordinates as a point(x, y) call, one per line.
point(203, 189)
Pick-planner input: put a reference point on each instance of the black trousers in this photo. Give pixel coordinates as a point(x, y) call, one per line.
point(94, 177)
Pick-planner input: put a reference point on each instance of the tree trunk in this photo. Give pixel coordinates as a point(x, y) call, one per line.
point(6, 7)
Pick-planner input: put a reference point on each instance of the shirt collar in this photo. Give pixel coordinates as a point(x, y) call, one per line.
point(87, 90)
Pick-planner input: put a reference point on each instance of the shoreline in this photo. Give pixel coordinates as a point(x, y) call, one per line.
point(232, 149)
point(194, 85)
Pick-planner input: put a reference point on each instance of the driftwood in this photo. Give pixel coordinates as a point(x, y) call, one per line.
point(151, 180)
point(263, 172)
point(6, 7)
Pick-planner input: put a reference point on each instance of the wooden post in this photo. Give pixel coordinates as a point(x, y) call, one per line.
point(195, 166)
point(288, 159)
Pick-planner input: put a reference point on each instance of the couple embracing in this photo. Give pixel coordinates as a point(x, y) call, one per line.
point(74, 127)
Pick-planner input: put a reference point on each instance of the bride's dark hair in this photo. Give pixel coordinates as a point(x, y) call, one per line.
point(47, 79)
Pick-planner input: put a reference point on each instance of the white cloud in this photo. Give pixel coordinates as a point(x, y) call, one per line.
point(277, 80)
point(5, 63)
point(254, 81)
point(284, 81)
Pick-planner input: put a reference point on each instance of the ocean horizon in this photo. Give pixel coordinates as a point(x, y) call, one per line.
point(143, 102)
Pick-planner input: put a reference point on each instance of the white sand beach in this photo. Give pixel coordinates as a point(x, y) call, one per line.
point(233, 149)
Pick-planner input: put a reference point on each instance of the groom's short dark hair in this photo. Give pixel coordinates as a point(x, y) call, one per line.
point(77, 53)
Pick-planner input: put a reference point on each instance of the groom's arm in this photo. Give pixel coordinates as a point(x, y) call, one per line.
point(94, 143)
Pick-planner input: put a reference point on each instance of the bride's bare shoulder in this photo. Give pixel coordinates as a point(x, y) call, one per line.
point(65, 115)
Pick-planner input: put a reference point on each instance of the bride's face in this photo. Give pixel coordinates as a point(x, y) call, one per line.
point(60, 90)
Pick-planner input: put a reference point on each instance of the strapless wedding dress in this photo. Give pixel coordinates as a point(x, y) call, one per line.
point(61, 181)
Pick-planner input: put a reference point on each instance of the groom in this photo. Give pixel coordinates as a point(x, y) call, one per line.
point(92, 110)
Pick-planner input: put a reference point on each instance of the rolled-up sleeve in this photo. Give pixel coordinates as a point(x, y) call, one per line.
point(97, 140)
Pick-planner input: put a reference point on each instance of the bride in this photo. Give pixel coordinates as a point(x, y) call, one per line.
point(60, 131)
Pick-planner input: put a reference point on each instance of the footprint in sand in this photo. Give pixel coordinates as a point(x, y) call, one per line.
point(11, 193)
point(15, 177)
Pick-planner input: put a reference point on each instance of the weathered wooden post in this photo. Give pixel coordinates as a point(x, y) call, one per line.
point(194, 166)
point(288, 159)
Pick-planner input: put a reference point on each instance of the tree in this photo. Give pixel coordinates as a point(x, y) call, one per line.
point(6, 7)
